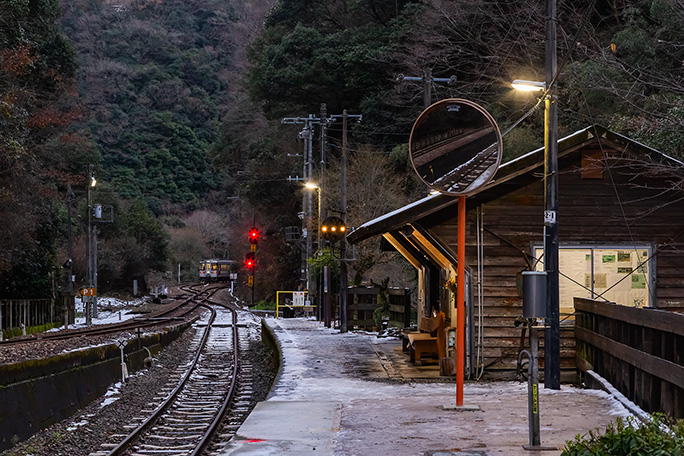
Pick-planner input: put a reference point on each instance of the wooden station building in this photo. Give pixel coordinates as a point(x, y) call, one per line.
point(621, 234)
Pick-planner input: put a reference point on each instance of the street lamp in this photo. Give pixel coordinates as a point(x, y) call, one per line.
point(89, 307)
point(313, 186)
point(552, 332)
point(528, 86)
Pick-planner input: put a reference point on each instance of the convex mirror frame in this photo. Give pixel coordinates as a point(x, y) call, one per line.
point(455, 146)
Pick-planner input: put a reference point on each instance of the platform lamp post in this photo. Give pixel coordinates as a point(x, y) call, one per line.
point(552, 331)
point(90, 184)
point(313, 186)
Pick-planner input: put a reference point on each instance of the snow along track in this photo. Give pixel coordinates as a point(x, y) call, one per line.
point(191, 410)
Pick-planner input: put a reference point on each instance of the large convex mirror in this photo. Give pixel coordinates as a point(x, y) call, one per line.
point(455, 146)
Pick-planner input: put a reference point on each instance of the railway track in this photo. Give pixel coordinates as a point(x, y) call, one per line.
point(453, 164)
point(178, 310)
point(210, 395)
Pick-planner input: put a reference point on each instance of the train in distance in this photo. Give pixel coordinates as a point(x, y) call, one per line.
point(215, 270)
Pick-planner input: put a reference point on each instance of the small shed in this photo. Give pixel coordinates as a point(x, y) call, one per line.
point(621, 206)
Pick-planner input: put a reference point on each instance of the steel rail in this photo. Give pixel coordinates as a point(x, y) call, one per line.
point(130, 438)
point(133, 323)
point(214, 425)
point(231, 391)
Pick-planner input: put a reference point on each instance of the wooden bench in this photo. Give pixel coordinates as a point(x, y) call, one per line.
point(430, 339)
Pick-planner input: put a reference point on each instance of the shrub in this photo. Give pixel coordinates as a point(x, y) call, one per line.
point(264, 305)
point(629, 437)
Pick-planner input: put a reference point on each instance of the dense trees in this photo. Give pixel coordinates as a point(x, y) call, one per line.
point(619, 64)
point(341, 53)
point(154, 86)
point(178, 103)
point(632, 79)
point(36, 103)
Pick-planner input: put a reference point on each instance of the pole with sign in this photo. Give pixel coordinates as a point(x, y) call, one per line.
point(89, 291)
point(121, 343)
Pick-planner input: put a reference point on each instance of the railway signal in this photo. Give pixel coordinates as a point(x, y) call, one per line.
point(333, 229)
point(250, 262)
point(253, 238)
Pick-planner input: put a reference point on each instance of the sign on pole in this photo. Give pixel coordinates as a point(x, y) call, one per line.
point(298, 298)
point(91, 291)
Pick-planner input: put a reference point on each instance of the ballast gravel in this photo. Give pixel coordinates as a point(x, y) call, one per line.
point(85, 432)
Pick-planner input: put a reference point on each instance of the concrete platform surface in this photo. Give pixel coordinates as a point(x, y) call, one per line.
point(354, 394)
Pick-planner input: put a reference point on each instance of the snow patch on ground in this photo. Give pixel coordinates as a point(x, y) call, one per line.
point(111, 310)
point(112, 395)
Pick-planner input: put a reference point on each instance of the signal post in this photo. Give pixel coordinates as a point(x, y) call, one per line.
point(250, 259)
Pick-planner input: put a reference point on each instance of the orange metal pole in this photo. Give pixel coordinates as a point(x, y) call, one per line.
point(460, 301)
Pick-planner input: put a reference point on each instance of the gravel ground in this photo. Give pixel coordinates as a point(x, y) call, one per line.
point(46, 348)
point(83, 433)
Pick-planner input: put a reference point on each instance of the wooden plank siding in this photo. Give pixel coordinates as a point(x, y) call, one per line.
point(619, 208)
point(631, 197)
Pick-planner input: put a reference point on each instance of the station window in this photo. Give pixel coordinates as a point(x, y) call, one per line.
point(617, 274)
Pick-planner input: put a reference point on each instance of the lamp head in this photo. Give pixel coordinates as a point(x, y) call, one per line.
point(311, 185)
point(528, 86)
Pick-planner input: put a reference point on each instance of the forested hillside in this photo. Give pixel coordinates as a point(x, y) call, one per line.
point(178, 103)
point(153, 88)
point(621, 63)
point(37, 154)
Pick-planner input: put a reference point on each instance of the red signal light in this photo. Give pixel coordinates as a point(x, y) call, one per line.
point(254, 235)
point(250, 261)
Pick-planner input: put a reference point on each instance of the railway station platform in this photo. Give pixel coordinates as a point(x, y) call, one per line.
point(355, 394)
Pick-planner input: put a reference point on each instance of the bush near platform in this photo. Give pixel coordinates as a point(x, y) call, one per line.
point(660, 437)
point(264, 305)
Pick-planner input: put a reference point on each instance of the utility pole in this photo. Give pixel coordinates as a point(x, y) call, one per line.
point(307, 199)
point(307, 204)
point(428, 81)
point(323, 165)
point(70, 243)
point(343, 249)
point(68, 291)
point(94, 281)
point(90, 183)
point(343, 216)
point(551, 245)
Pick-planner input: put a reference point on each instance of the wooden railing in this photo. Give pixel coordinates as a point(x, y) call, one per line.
point(639, 351)
point(362, 302)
